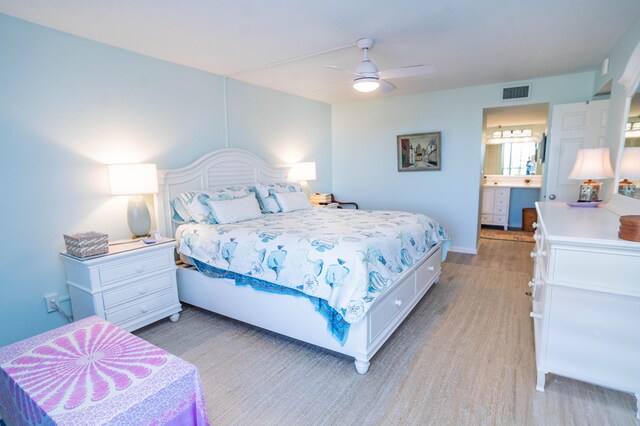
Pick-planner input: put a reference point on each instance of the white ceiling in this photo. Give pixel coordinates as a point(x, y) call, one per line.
point(470, 42)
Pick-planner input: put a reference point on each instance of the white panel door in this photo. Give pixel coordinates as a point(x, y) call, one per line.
point(573, 126)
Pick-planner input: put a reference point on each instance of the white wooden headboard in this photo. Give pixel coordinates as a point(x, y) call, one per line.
point(225, 167)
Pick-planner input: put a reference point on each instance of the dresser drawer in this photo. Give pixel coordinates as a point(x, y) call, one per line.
point(502, 220)
point(428, 270)
point(487, 218)
point(607, 271)
point(502, 193)
point(134, 266)
point(393, 305)
point(502, 210)
point(500, 202)
point(141, 306)
point(137, 289)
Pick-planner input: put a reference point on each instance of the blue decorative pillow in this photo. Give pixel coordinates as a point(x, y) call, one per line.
point(266, 197)
point(192, 207)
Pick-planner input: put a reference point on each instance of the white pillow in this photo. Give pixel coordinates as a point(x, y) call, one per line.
point(266, 194)
point(236, 210)
point(291, 201)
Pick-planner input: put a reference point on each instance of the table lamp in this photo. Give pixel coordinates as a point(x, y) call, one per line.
point(135, 180)
point(630, 169)
point(591, 163)
point(303, 172)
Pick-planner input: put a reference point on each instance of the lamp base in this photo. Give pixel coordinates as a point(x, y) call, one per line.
point(138, 216)
point(589, 191)
point(627, 188)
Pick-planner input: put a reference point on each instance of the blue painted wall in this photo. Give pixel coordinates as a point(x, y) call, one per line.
point(68, 106)
point(364, 150)
point(520, 199)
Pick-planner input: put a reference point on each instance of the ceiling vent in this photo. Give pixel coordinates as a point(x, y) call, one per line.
point(515, 93)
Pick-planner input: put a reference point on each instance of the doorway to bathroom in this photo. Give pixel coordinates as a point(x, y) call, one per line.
point(514, 145)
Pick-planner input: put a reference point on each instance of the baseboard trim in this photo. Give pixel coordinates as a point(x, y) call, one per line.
point(465, 250)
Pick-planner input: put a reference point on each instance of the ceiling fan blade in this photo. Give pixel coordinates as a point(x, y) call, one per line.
point(407, 71)
point(333, 67)
point(386, 87)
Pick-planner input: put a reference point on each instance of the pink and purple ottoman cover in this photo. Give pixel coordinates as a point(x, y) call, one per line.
point(92, 372)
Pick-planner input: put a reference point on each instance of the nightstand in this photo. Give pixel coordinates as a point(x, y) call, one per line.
point(132, 285)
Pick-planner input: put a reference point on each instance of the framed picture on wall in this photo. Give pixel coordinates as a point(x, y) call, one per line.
point(419, 152)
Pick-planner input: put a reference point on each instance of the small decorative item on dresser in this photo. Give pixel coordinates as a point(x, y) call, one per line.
point(630, 228)
point(87, 244)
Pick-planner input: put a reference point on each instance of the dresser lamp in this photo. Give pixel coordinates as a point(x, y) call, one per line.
point(303, 172)
point(630, 169)
point(591, 163)
point(135, 180)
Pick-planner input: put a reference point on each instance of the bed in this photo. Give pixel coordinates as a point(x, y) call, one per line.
point(249, 280)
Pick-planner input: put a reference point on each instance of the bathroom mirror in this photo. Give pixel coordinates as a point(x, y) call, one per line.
point(513, 137)
point(513, 159)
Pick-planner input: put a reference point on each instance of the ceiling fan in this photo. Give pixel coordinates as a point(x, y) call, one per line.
point(367, 78)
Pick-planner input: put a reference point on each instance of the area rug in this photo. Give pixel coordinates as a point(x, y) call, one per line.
point(499, 234)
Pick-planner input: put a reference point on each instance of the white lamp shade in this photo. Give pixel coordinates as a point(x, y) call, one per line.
point(592, 163)
point(133, 179)
point(303, 171)
point(630, 168)
point(366, 84)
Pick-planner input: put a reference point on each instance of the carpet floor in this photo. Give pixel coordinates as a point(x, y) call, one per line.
point(465, 356)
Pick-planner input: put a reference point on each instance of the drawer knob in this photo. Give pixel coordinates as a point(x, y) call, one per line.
point(139, 268)
point(143, 308)
point(142, 289)
point(432, 268)
point(531, 283)
point(535, 315)
point(398, 302)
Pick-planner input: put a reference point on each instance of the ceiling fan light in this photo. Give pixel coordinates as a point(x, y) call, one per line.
point(366, 84)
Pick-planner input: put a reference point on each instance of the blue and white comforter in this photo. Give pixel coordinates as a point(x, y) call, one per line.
point(346, 257)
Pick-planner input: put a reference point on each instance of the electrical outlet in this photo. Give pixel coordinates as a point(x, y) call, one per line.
point(49, 298)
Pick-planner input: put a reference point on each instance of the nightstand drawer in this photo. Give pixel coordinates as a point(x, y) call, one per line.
point(137, 289)
point(134, 267)
point(142, 306)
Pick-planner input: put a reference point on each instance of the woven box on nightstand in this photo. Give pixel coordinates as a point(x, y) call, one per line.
point(86, 244)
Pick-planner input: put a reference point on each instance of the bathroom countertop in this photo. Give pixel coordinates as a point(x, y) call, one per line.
point(511, 185)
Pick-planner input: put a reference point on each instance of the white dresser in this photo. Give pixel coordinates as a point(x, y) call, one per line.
point(586, 298)
point(495, 205)
point(131, 286)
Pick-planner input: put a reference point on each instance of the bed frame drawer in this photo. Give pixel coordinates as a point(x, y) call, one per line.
point(393, 305)
point(427, 272)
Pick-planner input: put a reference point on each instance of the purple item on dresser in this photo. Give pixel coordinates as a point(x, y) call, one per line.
point(92, 372)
